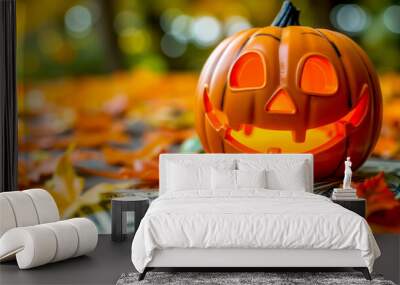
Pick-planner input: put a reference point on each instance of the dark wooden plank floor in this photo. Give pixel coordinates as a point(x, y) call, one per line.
point(389, 263)
point(111, 259)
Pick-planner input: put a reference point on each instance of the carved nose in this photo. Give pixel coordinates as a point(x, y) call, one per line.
point(280, 103)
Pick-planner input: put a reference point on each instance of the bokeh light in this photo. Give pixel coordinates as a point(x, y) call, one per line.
point(172, 47)
point(167, 17)
point(236, 24)
point(134, 41)
point(180, 28)
point(92, 36)
point(391, 18)
point(350, 18)
point(206, 31)
point(127, 19)
point(78, 21)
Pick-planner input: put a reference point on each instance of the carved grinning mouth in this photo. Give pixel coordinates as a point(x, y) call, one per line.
point(250, 138)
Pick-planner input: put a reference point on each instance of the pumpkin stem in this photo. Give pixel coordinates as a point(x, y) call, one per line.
point(287, 16)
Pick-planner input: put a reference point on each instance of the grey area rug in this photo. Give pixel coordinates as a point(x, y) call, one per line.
point(233, 278)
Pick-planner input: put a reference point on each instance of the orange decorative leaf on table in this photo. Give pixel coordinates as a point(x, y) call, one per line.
point(383, 210)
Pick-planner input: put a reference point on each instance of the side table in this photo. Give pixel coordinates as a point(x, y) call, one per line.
point(357, 205)
point(119, 207)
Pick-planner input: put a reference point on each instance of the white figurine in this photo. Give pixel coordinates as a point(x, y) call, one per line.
point(347, 174)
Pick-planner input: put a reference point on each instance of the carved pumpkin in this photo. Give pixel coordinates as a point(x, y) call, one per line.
point(287, 88)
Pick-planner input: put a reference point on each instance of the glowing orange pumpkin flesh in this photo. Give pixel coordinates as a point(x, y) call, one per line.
point(248, 71)
point(318, 76)
point(253, 139)
point(281, 103)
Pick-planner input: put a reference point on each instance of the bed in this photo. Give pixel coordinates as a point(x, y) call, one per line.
point(203, 219)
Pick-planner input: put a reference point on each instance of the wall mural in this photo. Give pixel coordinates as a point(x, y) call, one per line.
point(277, 95)
point(104, 88)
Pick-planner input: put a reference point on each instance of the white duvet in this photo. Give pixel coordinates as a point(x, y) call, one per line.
point(250, 219)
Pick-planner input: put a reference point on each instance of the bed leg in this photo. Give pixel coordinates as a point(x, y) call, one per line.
point(364, 271)
point(143, 274)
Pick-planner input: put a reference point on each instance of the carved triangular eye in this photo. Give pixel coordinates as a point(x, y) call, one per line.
point(318, 76)
point(248, 72)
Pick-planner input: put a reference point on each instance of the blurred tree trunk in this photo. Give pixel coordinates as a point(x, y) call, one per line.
point(114, 57)
point(324, 8)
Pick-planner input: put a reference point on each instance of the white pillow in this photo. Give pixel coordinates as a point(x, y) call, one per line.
point(293, 179)
point(223, 179)
point(192, 174)
point(282, 174)
point(181, 177)
point(251, 178)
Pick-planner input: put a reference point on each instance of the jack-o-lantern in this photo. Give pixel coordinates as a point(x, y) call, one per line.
point(287, 88)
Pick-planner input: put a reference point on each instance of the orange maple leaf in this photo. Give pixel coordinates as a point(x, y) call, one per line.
point(383, 210)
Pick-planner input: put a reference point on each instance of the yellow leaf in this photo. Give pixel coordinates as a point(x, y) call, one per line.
point(93, 197)
point(65, 185)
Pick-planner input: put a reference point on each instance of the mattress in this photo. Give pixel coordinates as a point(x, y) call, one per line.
point(250, 219)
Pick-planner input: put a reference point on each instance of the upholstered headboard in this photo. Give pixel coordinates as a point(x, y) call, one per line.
point(212, 158)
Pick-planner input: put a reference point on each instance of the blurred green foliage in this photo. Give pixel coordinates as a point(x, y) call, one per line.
point(76, 37)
